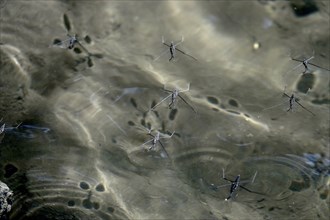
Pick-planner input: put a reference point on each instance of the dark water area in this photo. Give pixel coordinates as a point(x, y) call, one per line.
point(83, 98)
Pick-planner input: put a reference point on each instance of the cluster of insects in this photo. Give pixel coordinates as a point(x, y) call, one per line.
point(173, 96)
point(291, 101)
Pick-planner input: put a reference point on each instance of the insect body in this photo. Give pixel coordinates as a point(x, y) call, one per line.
point(172, 50)
point(72, 41)
point(234, 186)
point(154, 141)
point(174, 96)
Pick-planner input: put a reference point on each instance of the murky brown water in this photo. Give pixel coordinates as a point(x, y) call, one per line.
point(91, 164)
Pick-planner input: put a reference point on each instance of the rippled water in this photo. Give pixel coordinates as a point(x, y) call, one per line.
point(91, 164)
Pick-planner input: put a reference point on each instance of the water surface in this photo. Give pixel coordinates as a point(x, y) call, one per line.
point(91, 163)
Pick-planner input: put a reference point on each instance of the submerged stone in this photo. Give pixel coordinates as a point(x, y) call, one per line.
point(6, 196)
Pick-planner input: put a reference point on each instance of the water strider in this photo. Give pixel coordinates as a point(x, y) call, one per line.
point(305, 63)
point(236, 184)
point(155, 140)
point(173, 48)
point(174, 95)
point(70, 43)
point(292, 101)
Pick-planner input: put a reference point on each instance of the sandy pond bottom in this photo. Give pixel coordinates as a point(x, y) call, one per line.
point(91, 164)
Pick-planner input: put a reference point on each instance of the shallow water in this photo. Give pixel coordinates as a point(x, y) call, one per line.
point(91, 164)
